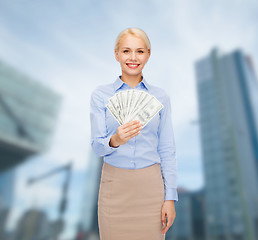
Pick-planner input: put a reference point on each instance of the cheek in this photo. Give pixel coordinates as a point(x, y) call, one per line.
point(122, 58)
point(144, 59)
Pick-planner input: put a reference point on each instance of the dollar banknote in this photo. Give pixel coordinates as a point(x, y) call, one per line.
point(129, 105)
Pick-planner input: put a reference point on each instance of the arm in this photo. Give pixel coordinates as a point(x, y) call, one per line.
point(99, 136)
point(167, 152)
point(102, 142)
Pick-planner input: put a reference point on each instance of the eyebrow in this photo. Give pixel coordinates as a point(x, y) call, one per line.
point(129, 48)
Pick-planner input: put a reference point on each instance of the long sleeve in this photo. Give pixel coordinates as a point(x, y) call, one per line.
point(99, 134)
point(167, 152)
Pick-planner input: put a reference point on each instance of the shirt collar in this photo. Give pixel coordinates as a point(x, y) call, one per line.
point(119, 83)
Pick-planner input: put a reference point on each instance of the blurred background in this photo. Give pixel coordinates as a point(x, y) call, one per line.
point(54, 53)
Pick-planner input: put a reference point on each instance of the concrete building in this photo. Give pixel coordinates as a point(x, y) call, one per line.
point(228, 111)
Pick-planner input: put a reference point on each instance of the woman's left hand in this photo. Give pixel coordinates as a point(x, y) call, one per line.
point(168, 211)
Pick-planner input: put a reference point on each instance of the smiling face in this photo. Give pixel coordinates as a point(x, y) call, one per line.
point(132, 55)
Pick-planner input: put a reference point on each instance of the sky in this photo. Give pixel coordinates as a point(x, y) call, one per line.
point(69, 47)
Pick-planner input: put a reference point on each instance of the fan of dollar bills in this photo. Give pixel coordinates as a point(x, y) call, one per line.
point(132, 104)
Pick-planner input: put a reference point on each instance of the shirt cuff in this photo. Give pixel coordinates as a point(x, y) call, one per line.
point(171, 194)
point(107, 146)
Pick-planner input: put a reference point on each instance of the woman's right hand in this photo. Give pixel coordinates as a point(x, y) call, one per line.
point(125, 132)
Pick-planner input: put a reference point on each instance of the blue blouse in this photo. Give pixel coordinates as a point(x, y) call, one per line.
point(154, 144)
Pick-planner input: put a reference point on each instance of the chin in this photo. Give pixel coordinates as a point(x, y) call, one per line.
point(134, 74)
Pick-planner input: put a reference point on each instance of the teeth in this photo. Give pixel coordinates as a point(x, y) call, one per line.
point(133, 65)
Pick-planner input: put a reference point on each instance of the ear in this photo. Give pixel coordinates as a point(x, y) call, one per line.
point(116, 55)
point(149, 54)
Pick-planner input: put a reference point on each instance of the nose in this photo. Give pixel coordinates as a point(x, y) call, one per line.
point(133, 56)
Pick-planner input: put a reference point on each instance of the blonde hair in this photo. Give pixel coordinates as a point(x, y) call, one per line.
point(135, 32)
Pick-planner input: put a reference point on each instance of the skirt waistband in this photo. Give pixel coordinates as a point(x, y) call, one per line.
point(112, 169)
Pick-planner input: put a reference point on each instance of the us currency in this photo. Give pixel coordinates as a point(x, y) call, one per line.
point(135, 99)
point(145, 114)
point(118, 106)
point(119, 100)
point(142, 101)
point(115, 109)
point(124, 99)
point(114, 113)
point(130, 96)
point(132, 105)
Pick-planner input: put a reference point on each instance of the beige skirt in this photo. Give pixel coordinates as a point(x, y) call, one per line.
point(130, 203)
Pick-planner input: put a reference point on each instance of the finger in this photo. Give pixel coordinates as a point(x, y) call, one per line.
point(128, 127)
point(131, 123)
point(126, 136)
point(132, 135)
point(163, 218)
point(164, 227)
point(164, 230)
point(169, 223)
point(133, 130)
point(132, 127)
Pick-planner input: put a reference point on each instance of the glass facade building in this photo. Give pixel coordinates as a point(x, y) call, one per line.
point(182, 226)
point(228, 105)
point(89, 217)
point(28, 113)
point(7, 179)
point(189, 221)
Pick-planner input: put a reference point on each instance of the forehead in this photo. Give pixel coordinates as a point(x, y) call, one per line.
point(131, 41)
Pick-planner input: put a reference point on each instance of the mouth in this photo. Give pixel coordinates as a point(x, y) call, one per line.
point(132, 65)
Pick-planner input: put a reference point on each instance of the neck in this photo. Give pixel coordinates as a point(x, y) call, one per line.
point(132, 81)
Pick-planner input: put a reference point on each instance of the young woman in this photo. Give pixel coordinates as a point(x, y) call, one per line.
point(138, 185)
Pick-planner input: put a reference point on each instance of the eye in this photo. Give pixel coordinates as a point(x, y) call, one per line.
point(126, 51)
point(140, 51)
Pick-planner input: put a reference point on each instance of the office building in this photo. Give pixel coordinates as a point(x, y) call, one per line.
point(33, 224)
point(189, 221)
point(89, 216)
point(7, 179)
point(228, 110)
point(28, 114)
